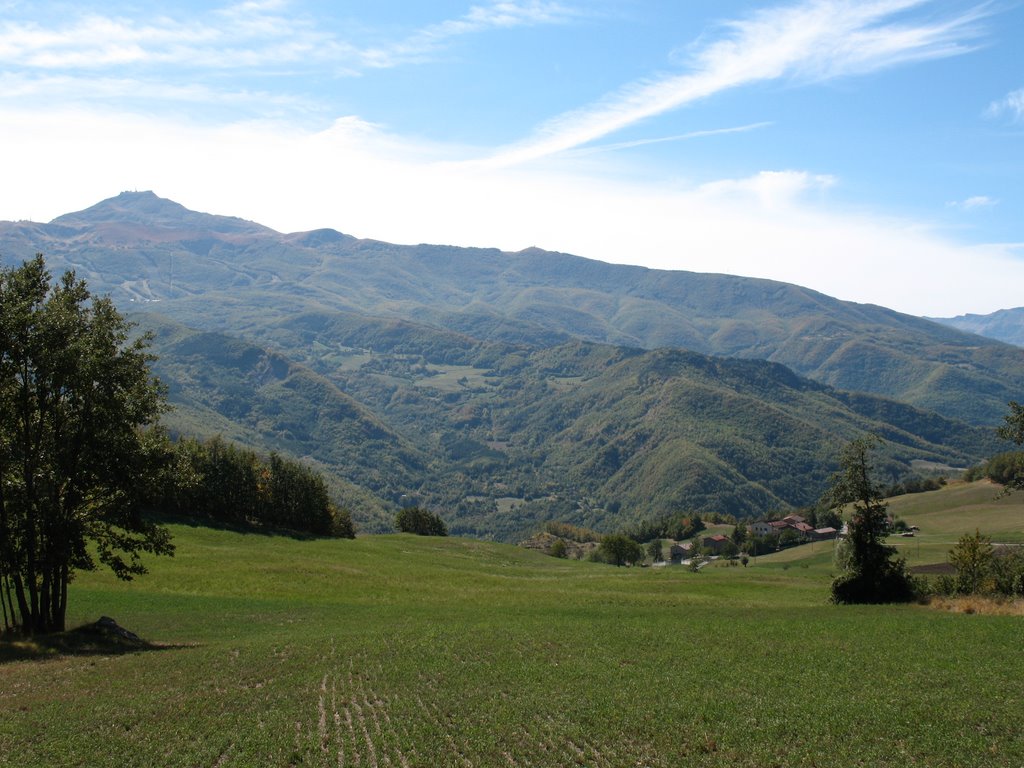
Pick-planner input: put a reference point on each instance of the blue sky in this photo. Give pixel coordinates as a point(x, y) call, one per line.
point(873, 150)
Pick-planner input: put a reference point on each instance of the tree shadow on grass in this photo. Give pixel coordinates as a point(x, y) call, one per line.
point(101, 638)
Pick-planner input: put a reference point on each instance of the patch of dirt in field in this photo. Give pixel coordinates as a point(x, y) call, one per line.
point(983, 606)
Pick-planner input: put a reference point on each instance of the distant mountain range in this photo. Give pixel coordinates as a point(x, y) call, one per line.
point(506, 389)
point(1005, 325)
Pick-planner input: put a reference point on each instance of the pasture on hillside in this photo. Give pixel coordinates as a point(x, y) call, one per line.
point(404, 651)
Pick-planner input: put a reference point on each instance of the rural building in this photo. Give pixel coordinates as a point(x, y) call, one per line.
point(823, 534)
point(680, 551)
point(805, 529)
point(716, 543)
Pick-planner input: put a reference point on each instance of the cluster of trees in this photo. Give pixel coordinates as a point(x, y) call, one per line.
point(981, 569)
point(1003, 468)
point(914, 485)
point(571, 532)
point(83, 464)
point(220, 481)
point(421, 522)
point(675, 525)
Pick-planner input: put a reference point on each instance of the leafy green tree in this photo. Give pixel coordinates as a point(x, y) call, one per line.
point(873, 575)
point(75, 464)
point(1013, 429)
point(559, 549)
point(618, 549)
point(972, 557)
point(421, 522)
point(654, 551)
point(342, 525)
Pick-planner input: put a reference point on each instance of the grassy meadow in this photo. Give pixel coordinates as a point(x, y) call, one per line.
point(404, 651)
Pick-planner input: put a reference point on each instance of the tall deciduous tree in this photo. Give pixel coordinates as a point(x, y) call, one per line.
point(874, 574)
point(75, 393)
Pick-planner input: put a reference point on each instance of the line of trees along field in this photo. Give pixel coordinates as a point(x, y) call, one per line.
point(220, 481)
point(83, 464)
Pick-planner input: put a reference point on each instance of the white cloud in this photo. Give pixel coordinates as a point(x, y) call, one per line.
point(771, 189)
point(977, 201)
point(815, 40)
point(1012, 105)
point(357, 179)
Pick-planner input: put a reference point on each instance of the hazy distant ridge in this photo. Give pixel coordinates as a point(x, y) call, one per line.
point(1004, 325)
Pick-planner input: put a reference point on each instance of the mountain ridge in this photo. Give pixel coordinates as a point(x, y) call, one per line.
point(195, 263)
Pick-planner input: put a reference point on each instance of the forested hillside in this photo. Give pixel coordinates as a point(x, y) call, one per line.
point(502, 437)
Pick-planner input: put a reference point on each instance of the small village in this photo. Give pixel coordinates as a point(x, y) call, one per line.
point(791, 530)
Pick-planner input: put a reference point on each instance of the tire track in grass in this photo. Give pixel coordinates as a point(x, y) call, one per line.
point(583, 752)
point(359, 718)
point(434, 713)
point(350, 726)
point(376, 708)
point(395, 734)
point(321, 707)
point(337, 720)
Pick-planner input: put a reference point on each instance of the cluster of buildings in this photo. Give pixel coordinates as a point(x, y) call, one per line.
point(718, 543)
point(792, 523)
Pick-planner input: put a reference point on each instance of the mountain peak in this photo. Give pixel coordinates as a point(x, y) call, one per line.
point(129, 210)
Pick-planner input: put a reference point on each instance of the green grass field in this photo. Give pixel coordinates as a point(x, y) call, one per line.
point(403, 651)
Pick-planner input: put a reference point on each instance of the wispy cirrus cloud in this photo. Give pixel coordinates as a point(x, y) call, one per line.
point(593, 150)
point(243, 35)
point(237, 36)
point(498, 15)
point(812, 41)
point(69, 88)
point(1012, 105)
